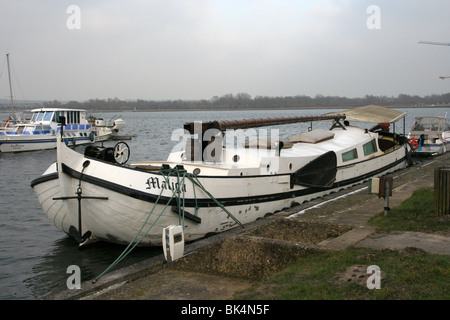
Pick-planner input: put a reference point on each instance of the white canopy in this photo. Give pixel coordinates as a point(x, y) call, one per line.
point(372, 113)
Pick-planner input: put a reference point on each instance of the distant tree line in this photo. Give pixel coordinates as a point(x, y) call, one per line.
point(245, 101)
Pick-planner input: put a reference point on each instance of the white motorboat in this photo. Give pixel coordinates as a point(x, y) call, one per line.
point(213, 184)
point(106, 129)
point(41, 131)
point(430, 135)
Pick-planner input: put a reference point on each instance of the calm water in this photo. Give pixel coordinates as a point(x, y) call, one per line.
point(34, 255)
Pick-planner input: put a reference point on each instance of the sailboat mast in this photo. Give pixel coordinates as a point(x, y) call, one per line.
point(10, 86)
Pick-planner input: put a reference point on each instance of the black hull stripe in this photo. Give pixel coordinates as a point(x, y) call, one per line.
point(224, 201)
point(42, 179)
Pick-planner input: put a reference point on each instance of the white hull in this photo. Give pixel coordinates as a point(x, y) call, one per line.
point(20, 144)
point(120, 218)
point(433, 148)
point(139, 200)
point(42, 131)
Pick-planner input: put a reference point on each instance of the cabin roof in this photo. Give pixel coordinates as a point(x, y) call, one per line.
point(372, 114)
point(56, 109)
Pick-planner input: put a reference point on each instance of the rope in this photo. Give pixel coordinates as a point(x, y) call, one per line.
point(128, 249)
point(175, 194)
point(196, 182)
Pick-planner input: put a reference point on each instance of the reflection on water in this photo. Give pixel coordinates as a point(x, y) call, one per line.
point(34, 254)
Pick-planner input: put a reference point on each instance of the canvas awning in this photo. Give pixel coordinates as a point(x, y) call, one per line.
point(372, 114)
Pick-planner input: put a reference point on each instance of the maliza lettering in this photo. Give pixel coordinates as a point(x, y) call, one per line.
point(156, 183)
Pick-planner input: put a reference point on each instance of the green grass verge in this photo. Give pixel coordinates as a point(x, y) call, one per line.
point(406, 276)
point(321, 276)
point(415, 214)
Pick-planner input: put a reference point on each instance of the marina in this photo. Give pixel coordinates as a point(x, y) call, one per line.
point(226, 186)
point(242, 150)
point(35, 255)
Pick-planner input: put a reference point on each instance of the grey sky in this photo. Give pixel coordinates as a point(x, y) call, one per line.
point(197, 49)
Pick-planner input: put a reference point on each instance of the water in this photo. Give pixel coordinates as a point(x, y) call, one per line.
point(34, 254)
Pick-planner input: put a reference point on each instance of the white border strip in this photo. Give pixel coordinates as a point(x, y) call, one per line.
point(322, 203)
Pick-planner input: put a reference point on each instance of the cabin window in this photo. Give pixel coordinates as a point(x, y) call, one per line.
point(349, 155)
point(37, 130)
point(370, 147)
point(48, 116)
point(28, 130)
point(39, 116)
point(20, 129)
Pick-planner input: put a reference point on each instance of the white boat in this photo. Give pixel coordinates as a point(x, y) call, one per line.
point(92, 196)
point(430, 135)
point(106, 129)
point(42, 130)
point(8, 124)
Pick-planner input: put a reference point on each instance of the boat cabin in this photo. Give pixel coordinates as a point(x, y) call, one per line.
point(75, 119)
point(29, 129)
point(437, 124)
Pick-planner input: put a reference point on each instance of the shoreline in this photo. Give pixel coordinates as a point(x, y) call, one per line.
point(5, 110)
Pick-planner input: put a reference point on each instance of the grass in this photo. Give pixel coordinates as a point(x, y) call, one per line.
point(415, 214)
point(405, 275)
point(417, 276)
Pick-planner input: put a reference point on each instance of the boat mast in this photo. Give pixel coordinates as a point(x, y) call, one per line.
point(254, 123)
point(10, 86)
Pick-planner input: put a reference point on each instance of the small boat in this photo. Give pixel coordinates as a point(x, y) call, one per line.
point(13, 119)
point(42, 130)
point(106, 129)
point(430, 135)
point(228, 174)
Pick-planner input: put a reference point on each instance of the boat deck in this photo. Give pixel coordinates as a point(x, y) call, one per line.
point(260, 158)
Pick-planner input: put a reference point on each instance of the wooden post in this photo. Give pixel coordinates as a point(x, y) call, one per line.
point(442, 191)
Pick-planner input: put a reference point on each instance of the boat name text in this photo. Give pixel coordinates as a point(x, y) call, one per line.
point(154, 183)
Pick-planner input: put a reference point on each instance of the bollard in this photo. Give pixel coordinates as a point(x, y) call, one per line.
point(383, 188)
point(442, 191)
point(386, 200)
point(386, 186)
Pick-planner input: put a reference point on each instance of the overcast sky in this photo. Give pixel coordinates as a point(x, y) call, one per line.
point(198, 49)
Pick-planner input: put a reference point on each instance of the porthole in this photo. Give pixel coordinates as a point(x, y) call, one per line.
point(236, 158)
